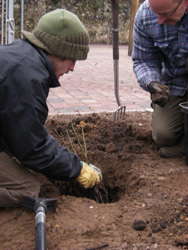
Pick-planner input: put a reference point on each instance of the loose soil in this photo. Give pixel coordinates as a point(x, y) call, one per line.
point(141, 204)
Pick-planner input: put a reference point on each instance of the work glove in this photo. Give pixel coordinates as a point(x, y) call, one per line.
point(90, 175)
point(160, 93)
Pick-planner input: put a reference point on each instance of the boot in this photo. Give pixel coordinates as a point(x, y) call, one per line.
point(173, 151)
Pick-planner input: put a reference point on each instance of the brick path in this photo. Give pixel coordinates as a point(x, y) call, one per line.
point(90, 88)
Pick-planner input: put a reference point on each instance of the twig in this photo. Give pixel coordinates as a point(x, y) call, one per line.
point(61, 139)
point(79, 143)
point(85, 145)
point(70, 141)
point(84, 153)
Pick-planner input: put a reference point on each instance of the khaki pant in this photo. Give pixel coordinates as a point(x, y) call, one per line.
point(168, 122)
point(15, 182)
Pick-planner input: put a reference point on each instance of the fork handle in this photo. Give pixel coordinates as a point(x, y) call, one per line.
point(115, 29)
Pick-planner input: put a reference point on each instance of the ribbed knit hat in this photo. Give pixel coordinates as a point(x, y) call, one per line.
point(61, 34)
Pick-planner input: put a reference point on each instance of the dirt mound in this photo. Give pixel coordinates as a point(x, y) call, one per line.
point(141, 204)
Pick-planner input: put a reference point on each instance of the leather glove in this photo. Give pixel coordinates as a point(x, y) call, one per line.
point(90, 175)
point(160, 93)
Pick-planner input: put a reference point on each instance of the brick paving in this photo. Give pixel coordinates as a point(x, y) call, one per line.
point(90, 88)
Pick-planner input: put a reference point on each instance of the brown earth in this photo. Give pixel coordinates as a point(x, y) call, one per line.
point(142, 203)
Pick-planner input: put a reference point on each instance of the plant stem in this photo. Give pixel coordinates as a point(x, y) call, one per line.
point(84, 154)
point(61, 139)
point(85, 148)
point(70, 141)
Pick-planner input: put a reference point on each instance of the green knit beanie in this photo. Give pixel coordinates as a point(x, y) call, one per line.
point(61, 34)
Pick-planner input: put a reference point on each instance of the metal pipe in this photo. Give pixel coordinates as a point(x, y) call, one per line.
point(6, 19)
point(22, 16)
point(40, 206)
point(11, 25)
point(40, 228)
point(8, 22)
point(2, 23)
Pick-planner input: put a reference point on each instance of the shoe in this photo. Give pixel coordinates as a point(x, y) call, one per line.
point(173, 151)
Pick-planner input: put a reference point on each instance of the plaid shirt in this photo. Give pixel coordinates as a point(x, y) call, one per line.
point(160, 51)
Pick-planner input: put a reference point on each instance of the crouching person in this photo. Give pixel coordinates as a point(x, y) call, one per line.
point(29, 67)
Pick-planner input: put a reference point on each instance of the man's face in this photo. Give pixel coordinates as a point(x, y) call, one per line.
point(61, 66)
point(168, 12)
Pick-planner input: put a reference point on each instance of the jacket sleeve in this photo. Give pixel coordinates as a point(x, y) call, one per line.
point(23, 111)
point(147, 63)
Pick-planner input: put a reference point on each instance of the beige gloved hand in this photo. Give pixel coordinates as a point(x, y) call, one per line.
point(90, 175)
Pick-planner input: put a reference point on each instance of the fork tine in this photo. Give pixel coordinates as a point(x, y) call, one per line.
point(115, 115)
point(123, 110)
point(119, 112)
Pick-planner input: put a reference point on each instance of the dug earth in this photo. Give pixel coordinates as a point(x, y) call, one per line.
point(141, 204)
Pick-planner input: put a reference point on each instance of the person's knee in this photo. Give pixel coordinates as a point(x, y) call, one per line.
point(164, 138)
point(33, 187)
point(13, 197)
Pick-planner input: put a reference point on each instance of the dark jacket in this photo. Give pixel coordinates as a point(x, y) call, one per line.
point(26, 75)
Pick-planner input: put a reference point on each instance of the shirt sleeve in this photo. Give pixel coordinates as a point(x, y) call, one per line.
point(147, 63)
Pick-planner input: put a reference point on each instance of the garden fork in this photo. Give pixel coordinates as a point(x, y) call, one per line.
point(120, 111)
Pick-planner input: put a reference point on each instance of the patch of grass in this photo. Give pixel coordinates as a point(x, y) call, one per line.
point(96, 4)
point(55, 1)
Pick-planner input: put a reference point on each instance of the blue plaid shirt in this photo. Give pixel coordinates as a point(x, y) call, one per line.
point(160, 51)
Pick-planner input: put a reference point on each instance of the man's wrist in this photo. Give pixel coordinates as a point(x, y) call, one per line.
point(150, 85)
